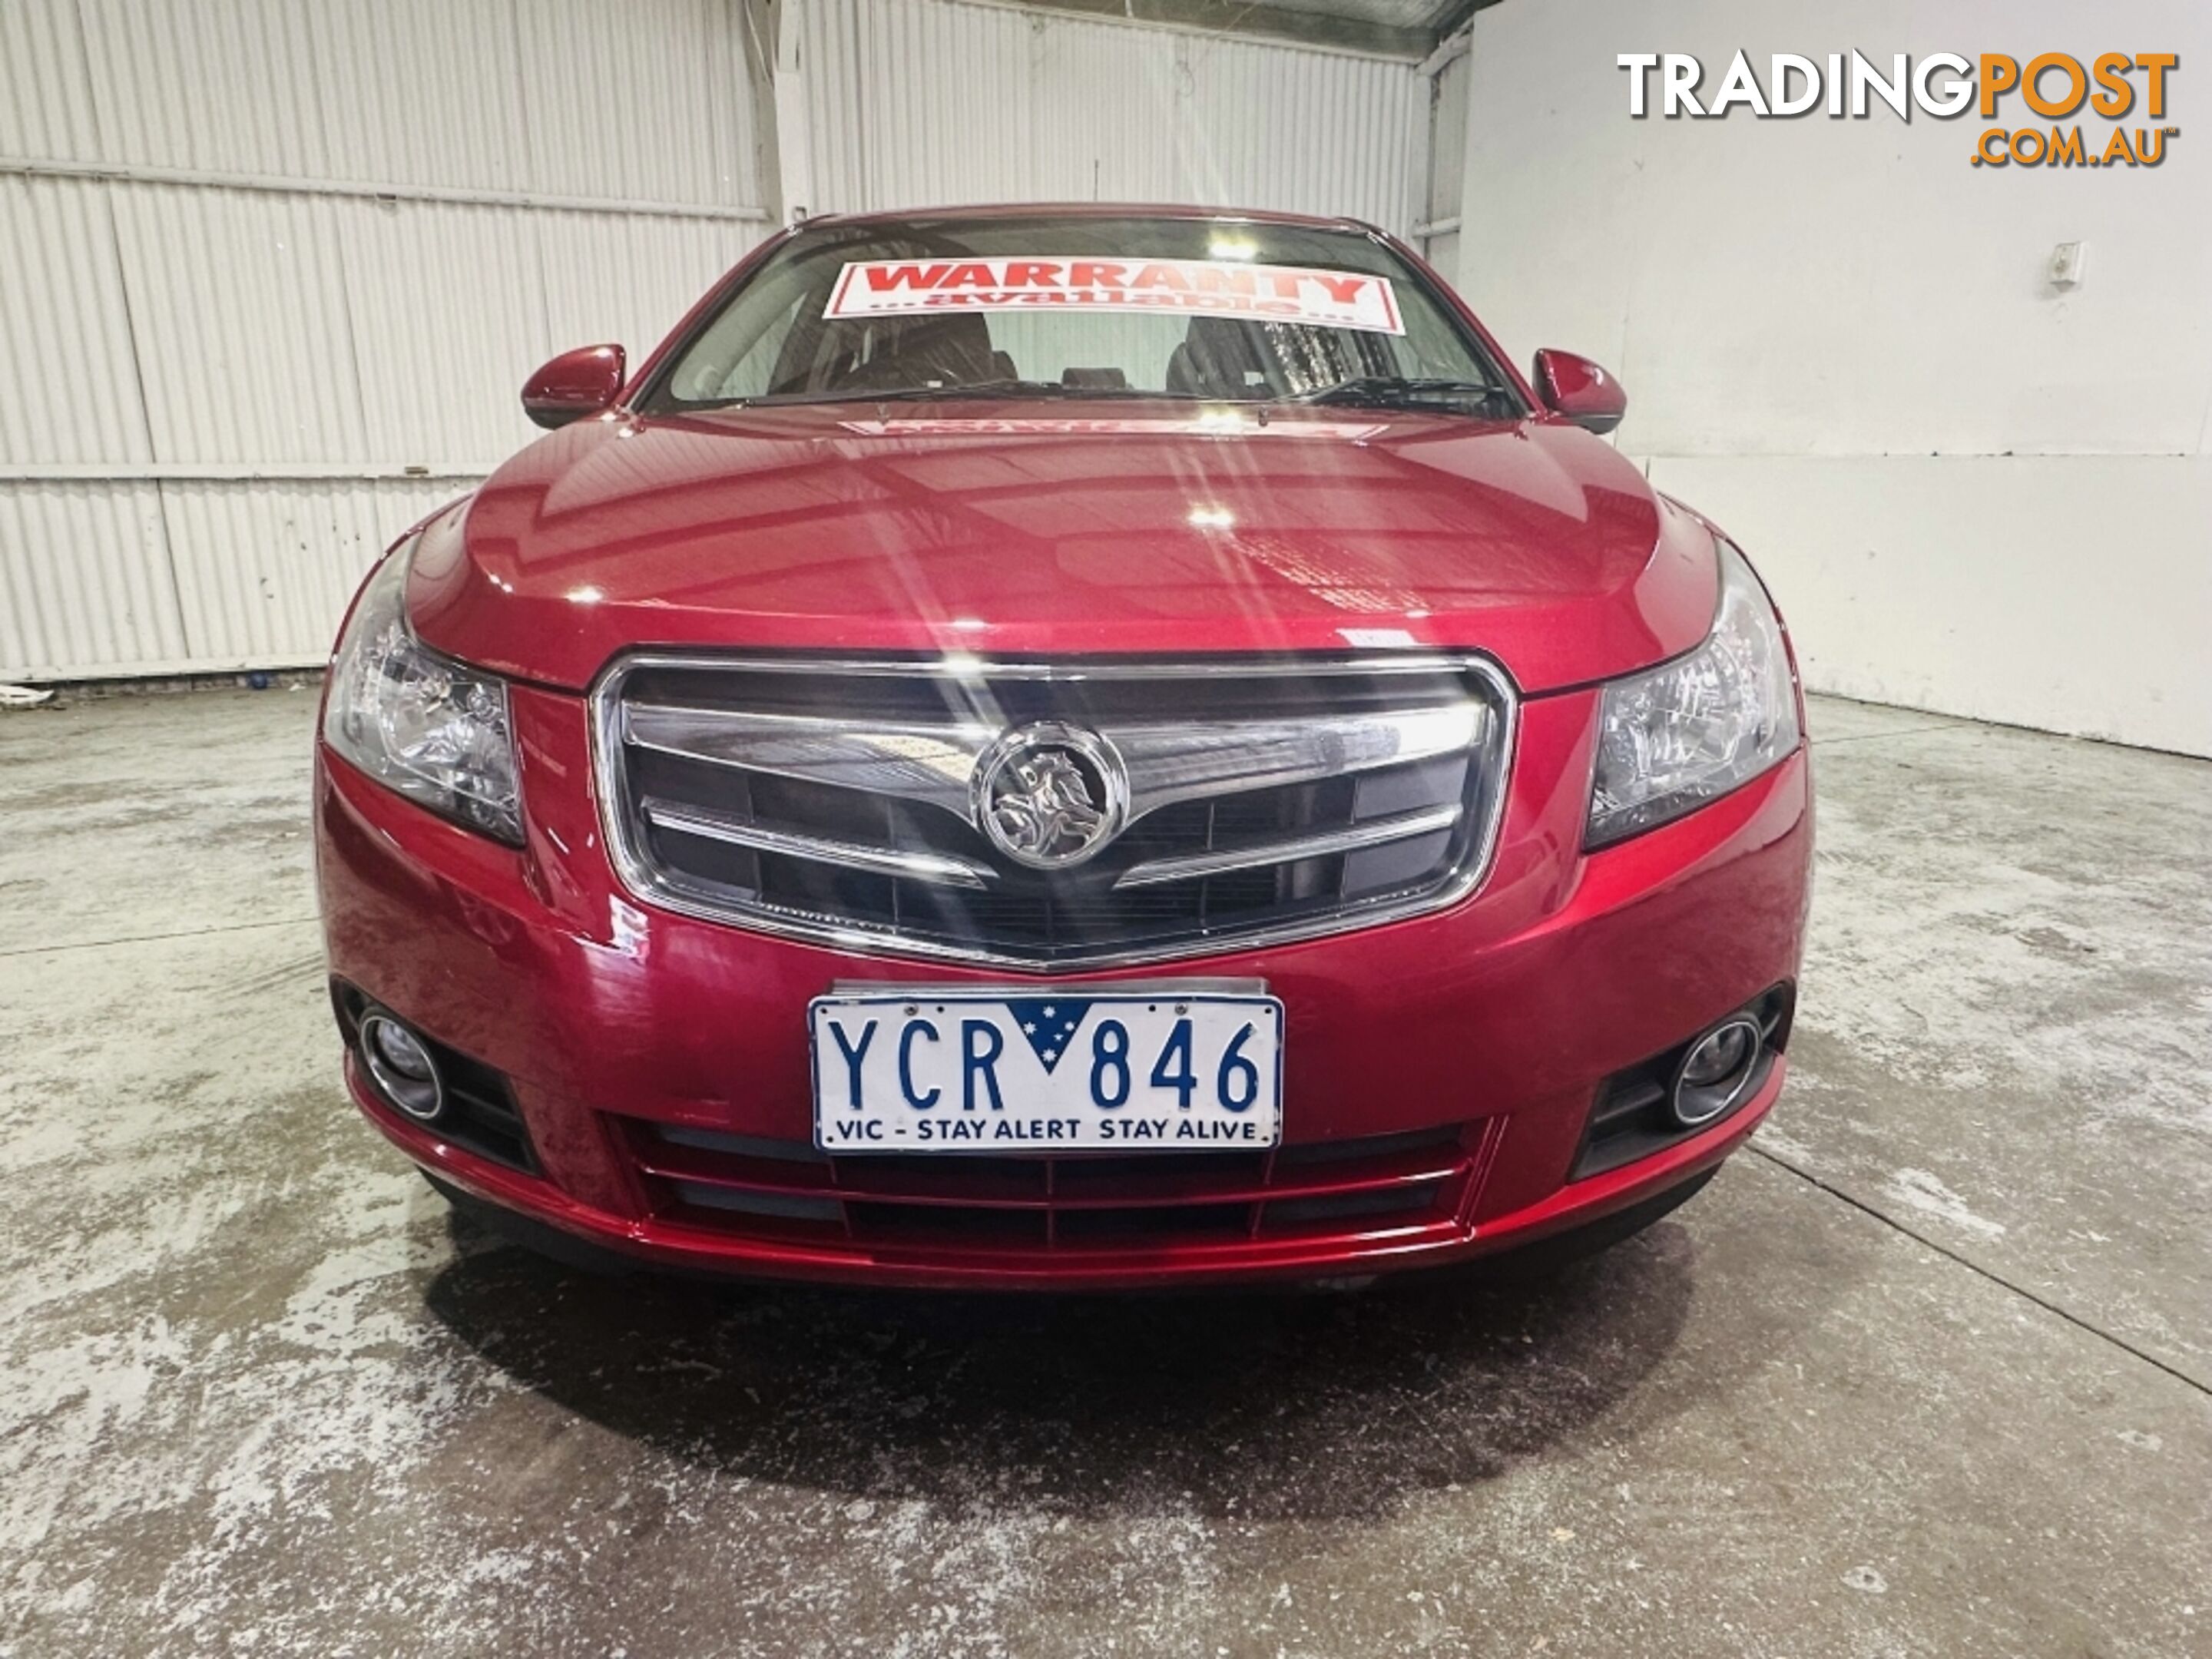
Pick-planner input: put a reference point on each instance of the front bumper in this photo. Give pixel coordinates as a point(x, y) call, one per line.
point(1459, 1051)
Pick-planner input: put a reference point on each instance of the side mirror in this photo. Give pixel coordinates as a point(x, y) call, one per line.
point(573, 385)
point(1579, 389)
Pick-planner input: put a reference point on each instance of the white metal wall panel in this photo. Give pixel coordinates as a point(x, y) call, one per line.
point(644, 101)
point(221, 295)
point(84, 580)
point(265, 569)
point(666, 114)
point(926, 102)
point(224, 85)
point(64, 330)
point(630, 280)
point(1081, 146)
point(45, 102)
point(1315, 133)
point(1448, 161)
point(423, 92)
point(444, 300)
point(238, 303)
point(833, 67)
point(926, 139)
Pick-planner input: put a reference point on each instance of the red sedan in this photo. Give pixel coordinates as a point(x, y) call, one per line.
point(1065, 747)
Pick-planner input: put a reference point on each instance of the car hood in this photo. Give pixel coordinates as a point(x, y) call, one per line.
point(1149, 529)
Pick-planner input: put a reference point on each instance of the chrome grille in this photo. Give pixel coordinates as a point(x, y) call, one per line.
point(1263, 799)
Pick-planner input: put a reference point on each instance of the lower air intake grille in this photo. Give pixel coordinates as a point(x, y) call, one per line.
point(788, 1190)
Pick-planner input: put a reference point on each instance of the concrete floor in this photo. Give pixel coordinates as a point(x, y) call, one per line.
point(1926, 1372)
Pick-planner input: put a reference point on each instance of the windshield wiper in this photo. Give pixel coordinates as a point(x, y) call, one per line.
point(948, 391)
point(1402, 391)
point(1012, 389)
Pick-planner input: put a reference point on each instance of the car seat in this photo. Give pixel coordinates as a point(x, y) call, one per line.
point(1219, 357)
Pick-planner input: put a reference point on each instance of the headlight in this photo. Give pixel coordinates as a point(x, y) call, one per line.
point(1675, 736)
point(418, 722)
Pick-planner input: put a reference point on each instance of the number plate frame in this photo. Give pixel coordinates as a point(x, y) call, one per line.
point(1032, 1093)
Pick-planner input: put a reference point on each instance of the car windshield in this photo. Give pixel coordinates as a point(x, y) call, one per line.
point(1084, 307)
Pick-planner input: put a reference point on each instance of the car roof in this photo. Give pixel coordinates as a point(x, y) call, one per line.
point(1087, 210)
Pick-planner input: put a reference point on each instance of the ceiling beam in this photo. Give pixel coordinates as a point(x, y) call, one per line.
point(1246, 17)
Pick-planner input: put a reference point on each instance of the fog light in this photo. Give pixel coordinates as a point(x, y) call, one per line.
point(1715, 1073)
point(401, 1067)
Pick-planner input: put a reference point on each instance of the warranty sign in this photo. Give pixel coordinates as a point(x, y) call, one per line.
point(1290, 294)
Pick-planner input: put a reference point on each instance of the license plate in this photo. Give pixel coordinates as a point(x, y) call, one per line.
point(922, 1070)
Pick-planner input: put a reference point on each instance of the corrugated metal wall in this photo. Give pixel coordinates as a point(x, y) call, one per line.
point(1446, 166)
point(277, 268)
point(915, 103)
